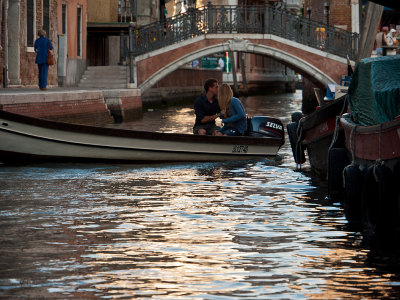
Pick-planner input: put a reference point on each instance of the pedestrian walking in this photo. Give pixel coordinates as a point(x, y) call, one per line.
point(41, 46)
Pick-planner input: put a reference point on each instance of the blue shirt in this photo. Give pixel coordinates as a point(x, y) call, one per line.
point(41, 47)
point(238, 118)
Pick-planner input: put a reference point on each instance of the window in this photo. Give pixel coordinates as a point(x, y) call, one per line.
point(46, 16)
point(79, 32)
point(64, 19)
point(124, 10)
point(30, 22)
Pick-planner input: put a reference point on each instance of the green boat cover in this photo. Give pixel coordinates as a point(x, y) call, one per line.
point(374, 91)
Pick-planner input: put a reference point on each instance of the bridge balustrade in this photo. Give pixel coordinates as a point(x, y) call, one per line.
point(213, 19)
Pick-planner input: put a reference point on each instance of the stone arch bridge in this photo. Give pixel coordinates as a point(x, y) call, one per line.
point(317, 51)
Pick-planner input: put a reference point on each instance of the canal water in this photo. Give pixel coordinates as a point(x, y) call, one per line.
point(218, 230)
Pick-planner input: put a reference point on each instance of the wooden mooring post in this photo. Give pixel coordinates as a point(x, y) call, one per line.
point(243, 69)
point(233, 67)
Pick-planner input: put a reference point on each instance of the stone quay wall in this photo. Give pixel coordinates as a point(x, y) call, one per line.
point(75, 106)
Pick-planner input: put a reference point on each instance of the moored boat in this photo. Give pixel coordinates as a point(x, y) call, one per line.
point(372, 140)
point(27, 139)
point(371, 194)
point(368, 145)
point(315, 132)
point(372, 128)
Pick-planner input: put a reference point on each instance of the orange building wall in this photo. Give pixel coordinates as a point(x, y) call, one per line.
point(72, 6)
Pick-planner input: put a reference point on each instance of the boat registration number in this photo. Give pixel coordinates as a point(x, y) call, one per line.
point(240, 149)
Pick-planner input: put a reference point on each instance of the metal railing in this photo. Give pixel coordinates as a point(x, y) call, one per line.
point(244, 19)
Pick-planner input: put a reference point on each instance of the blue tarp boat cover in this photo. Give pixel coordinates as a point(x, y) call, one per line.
point(374, 92)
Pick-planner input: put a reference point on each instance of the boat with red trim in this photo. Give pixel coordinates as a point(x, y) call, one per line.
point(371, 193)
point(314, 133)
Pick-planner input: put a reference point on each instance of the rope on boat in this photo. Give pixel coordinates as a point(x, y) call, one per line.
point(336, 131)
point(379, 160)
point(344, 104)
point(380, 142)
point(353, 144)
point(299, 139)
point(352, 150)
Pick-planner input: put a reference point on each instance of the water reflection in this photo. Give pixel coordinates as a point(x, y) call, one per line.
point(245, 230)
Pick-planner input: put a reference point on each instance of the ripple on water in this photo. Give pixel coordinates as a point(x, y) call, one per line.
point(246, 230)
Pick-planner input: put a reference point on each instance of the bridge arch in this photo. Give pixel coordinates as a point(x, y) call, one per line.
point(315, 74)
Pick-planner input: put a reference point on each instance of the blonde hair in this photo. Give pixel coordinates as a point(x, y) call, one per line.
point(225, 95)
point(42, 32)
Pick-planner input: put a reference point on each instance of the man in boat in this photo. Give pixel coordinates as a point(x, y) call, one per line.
point(207, 110)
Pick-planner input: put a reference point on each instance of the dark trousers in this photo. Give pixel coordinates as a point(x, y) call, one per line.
point(43, 71)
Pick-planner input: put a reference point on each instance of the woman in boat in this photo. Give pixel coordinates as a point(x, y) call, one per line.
point(233, 113)
point(41, 46)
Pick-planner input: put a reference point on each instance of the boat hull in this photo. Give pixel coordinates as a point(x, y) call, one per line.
point(317, 151)
point(316, 134)
point(367, 144)
point(25, 139)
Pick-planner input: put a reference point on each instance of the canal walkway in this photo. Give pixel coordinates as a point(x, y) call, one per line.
point(73, 104)
point(35, 90)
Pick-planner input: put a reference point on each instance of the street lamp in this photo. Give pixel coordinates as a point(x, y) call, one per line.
point(326, 12)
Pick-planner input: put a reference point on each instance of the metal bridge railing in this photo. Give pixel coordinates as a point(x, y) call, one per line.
point(243, 19)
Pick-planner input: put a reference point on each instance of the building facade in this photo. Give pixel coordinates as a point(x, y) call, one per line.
point(71, 40)
point(62, 20)
point(21, 19)
point(108, 27)
point(344, 14)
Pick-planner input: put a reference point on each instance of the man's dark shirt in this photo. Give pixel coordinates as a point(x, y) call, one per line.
point(202, 108)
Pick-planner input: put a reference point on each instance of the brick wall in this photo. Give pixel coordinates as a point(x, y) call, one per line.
point(339, 12)
point(28, 68)
point(179, 86)
point(188, 78)
point(78, 111)
point(74, 106)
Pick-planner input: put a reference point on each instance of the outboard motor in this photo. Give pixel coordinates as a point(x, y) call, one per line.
point(261, 126)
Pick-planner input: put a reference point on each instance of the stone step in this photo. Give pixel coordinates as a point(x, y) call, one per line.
point(106, 86)
point(106, 68)
point(104, 76)
point(101, 84)
point(104, 80)
point(113, 77)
